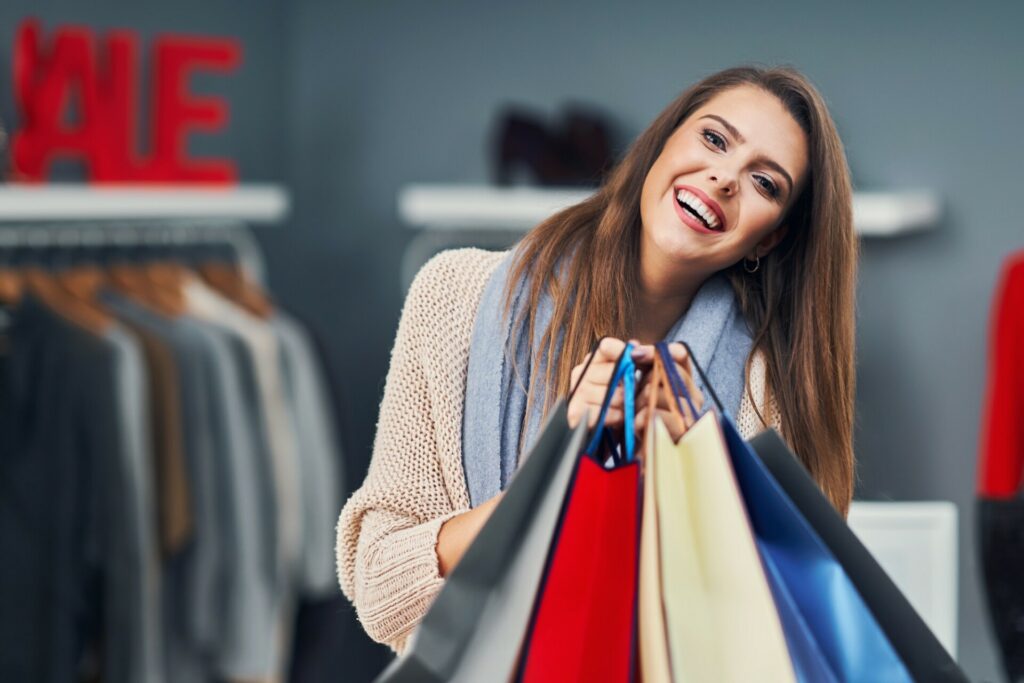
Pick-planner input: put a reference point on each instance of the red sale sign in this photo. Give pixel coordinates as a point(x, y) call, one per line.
point(97, 82)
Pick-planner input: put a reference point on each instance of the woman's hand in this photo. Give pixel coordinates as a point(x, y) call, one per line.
point(683, 367)
point(458, 533)
point(593, 387)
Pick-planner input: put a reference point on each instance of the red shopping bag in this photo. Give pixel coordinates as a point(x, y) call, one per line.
point(584, 625)
point(584, 622)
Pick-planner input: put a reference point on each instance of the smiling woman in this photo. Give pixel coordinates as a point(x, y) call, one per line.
point(728, 224)
point(741, 178)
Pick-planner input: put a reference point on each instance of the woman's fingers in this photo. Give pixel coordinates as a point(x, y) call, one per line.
point(685, 368)
point(614, 418)
point(675, 427)
point(591, 384)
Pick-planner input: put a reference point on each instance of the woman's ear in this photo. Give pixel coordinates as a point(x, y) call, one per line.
point(770, 241)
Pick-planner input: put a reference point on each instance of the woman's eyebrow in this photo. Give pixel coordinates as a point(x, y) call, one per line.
point(763, 159)
point(728, 126)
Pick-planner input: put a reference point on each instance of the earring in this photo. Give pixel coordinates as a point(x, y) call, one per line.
point(757, 264)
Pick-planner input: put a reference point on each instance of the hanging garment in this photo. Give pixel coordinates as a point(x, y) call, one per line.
point(275, 419)
point(1001, 462)
point(135, 572)
point(173, 502)
point(206, 304)
point(54, 426)
point(78, 528)
point(140, 486)
point(1002, 441)
point(913, 641)
point(317, 447)
point(250, 590)
point(194, 574)
point(475, 626)
point(1001, 544)
point(231, 625)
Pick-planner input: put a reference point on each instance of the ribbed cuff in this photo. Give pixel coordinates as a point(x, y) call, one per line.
point(400, 581)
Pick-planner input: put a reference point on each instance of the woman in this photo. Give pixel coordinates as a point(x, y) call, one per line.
point(728, 224)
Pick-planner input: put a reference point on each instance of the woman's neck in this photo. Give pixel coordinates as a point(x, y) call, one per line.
point(665, 294)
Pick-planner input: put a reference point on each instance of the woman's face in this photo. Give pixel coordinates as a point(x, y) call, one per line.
point(740, 161)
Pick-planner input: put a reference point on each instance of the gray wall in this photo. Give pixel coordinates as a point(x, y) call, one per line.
point(925, 94)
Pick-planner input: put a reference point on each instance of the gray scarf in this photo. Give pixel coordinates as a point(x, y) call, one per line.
point(494, 414)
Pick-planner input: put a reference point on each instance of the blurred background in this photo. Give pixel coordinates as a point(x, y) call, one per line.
point(351, 105)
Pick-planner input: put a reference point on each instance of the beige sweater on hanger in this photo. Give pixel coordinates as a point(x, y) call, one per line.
point(387, 532)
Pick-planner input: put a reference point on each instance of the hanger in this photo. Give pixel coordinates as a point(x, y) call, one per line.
point(55, 297)
point(11, 287)
point(129, 275)
point(30, 264)
point(11, 284)
point(81, 280)
point(165, 280)
point(228, 278)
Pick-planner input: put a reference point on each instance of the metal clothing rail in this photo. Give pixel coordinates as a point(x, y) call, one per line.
point(157, 233)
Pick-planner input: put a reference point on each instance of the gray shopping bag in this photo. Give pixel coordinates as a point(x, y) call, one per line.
point(476, 625)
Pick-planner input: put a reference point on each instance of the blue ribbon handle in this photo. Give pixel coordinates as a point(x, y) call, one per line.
point(625, 374)
point(679, 388)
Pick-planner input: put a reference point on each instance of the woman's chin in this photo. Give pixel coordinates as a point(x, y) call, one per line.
point(684, 245)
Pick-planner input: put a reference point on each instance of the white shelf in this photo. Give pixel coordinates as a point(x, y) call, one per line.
point(916, 544)
point(483, 208)
point(251, 203)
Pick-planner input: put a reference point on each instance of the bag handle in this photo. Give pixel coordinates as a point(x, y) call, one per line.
point(660, 382)
point(590, 359)
point(679, 388)
point(625, 374)
point(700, 373)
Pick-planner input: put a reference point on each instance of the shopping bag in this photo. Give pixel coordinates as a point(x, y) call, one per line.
point(809, 662)
point(830, 633)
point(845, 631)
point(475, 626)
point(923, 655)
point(722, 622)
point(652, 645)
point(583, 625)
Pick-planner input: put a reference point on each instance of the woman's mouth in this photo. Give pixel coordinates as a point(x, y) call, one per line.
point(694, 213)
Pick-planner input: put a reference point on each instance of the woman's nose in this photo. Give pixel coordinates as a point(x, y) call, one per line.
point(725, 184)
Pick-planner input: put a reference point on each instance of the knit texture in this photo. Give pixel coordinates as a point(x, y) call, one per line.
point(387, 531)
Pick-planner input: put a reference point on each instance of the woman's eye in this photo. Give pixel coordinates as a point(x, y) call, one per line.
point(768, 185)
point(714, 138)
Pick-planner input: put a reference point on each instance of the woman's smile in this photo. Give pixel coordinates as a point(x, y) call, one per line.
point(697, 210)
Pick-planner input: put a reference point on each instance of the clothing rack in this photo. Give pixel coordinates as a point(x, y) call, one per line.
point(162, 234)
point(204, 421)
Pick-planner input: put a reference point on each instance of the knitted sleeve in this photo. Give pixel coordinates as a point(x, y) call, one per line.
point(387, 532)
point(747, 421)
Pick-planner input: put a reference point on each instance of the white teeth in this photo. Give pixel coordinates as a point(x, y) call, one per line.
point(694, 202)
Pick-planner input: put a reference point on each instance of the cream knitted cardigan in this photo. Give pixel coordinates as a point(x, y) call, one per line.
point(387, 531)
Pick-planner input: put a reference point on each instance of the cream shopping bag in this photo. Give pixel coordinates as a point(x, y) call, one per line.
point(721, 620)
point(653, 645)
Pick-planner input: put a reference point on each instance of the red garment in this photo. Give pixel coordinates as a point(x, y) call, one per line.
point(1002, 431)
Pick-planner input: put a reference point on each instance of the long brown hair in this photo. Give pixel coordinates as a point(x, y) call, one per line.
point(800, 302)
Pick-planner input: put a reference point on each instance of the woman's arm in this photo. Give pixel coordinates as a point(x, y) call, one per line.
point(388, 530)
